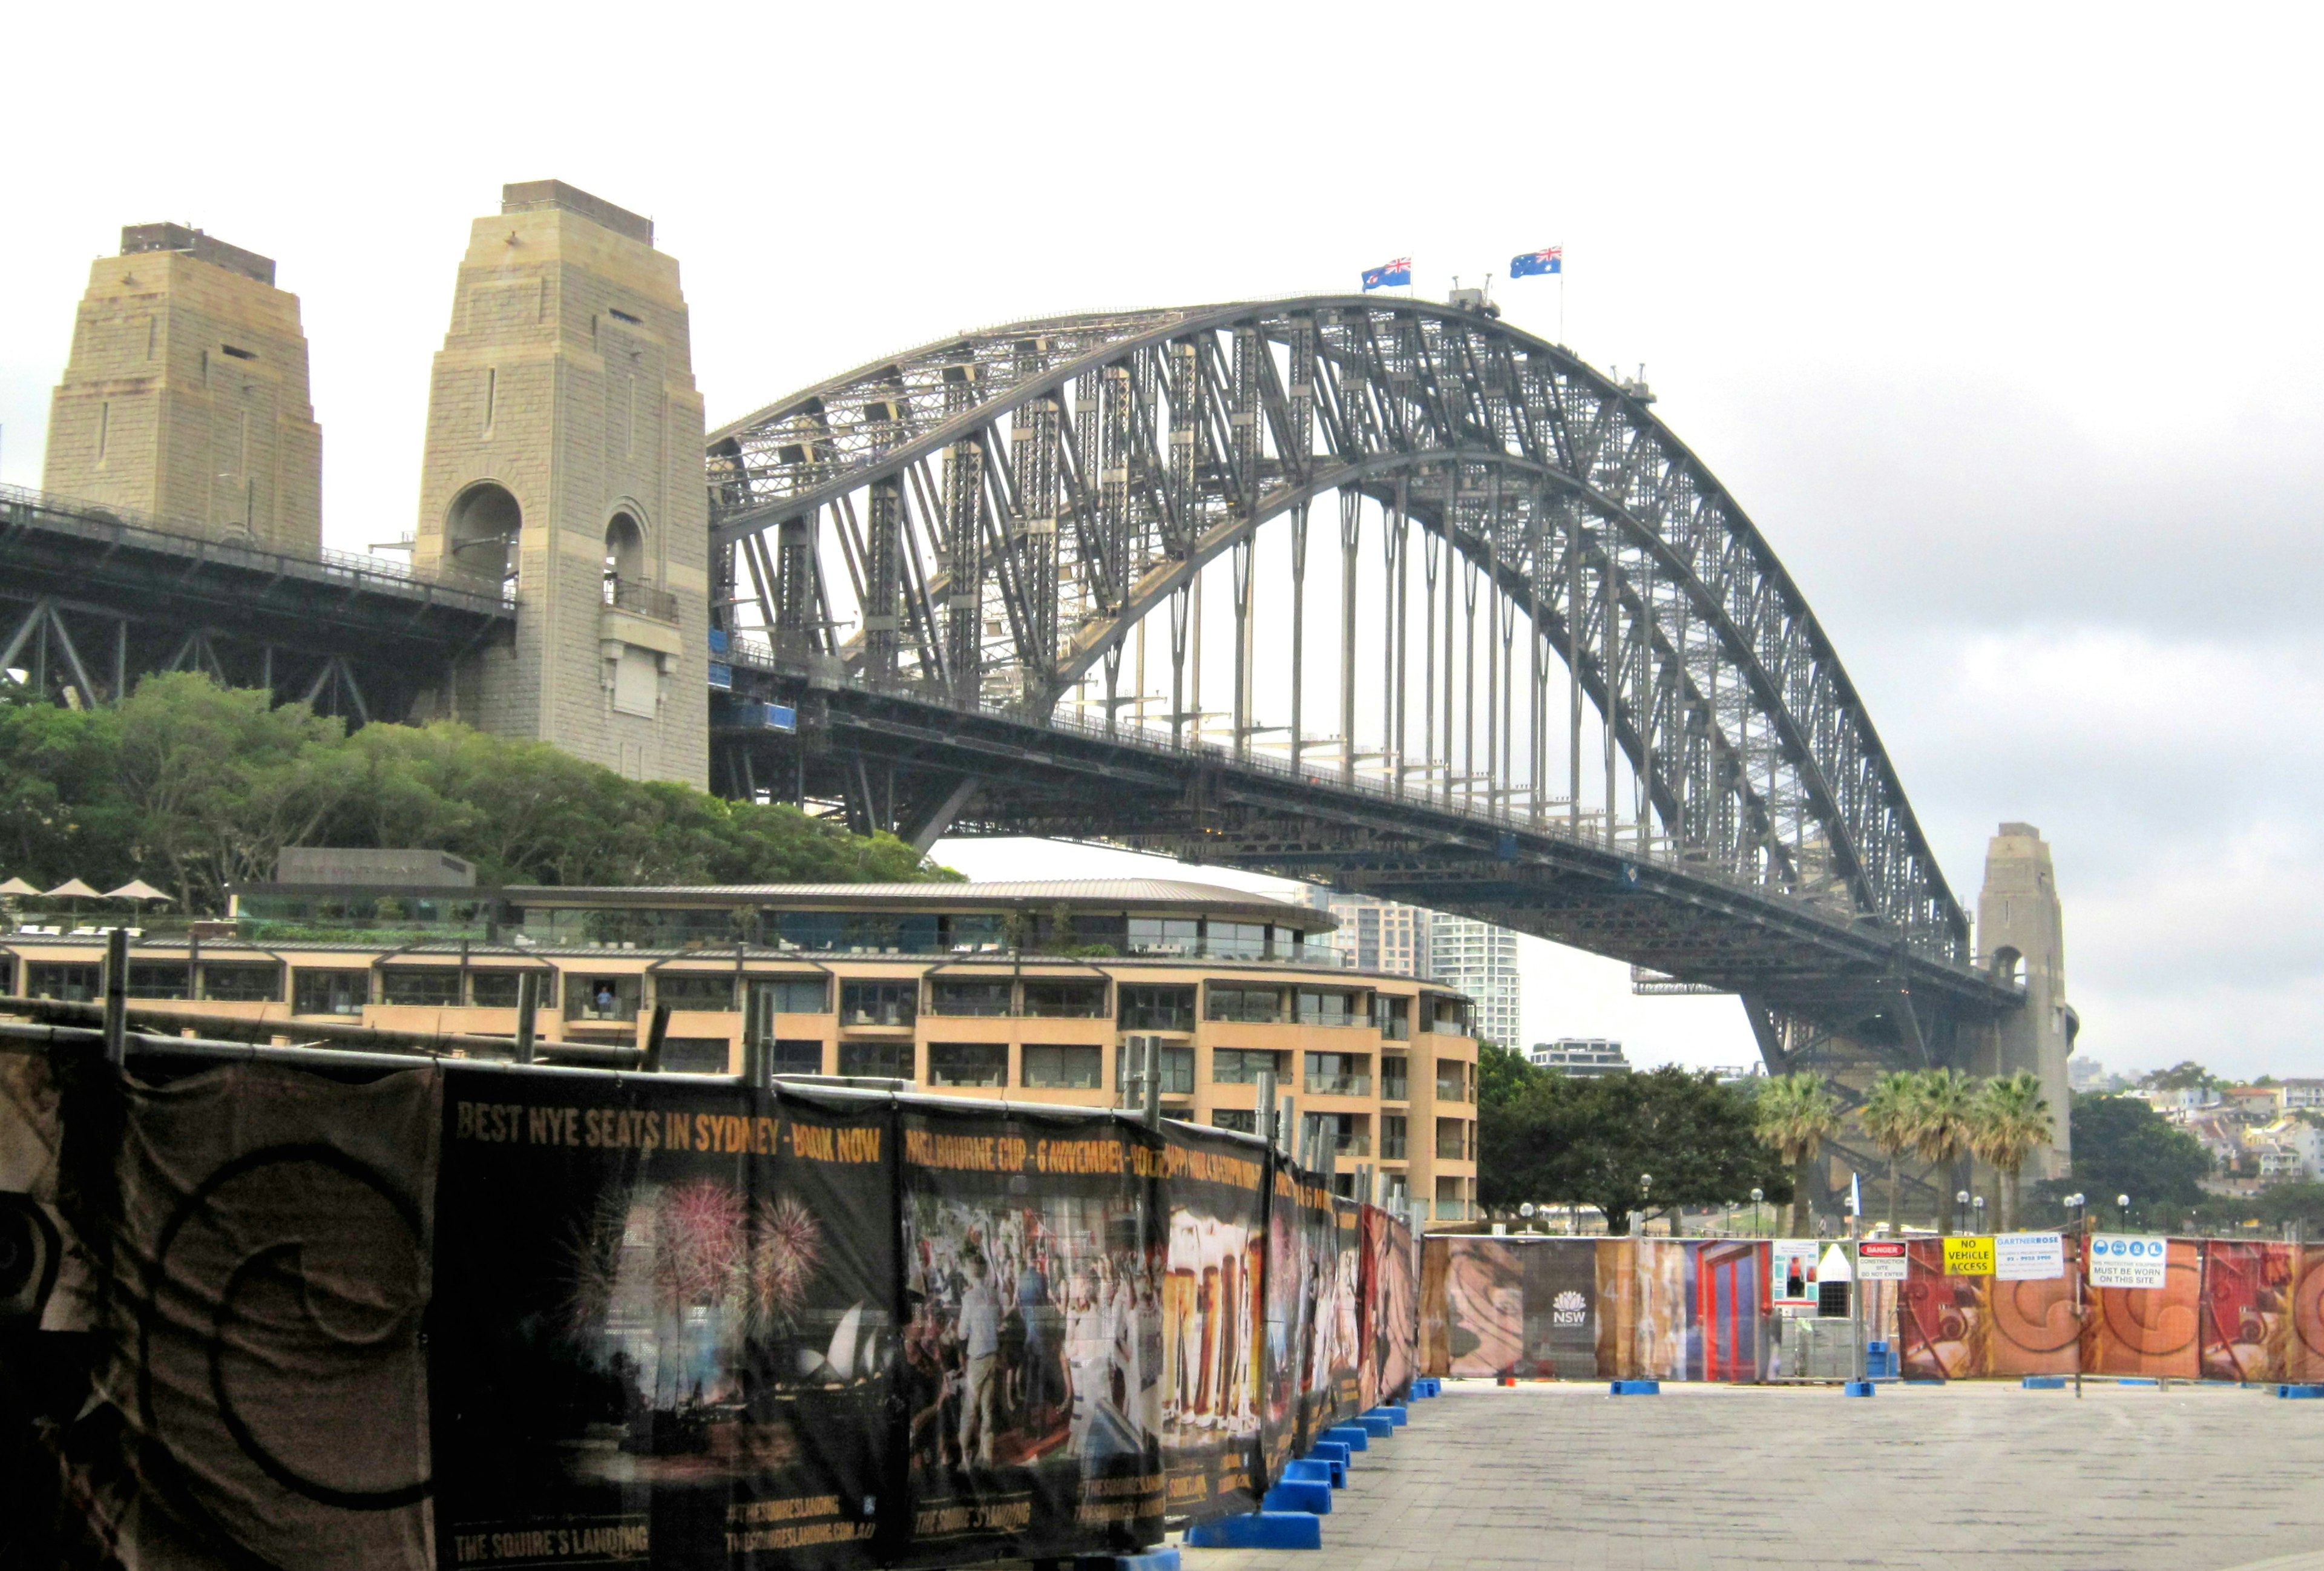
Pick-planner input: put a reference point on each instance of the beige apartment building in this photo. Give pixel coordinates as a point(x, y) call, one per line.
point(1021, 991)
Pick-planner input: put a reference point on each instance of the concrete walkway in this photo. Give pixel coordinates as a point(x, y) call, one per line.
point(1787, 1479)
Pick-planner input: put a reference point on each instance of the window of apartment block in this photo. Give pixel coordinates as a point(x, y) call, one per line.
point(879, 1002)
point(1165, 935)
point(799, 1057)
point(1396, 1077)
point(968, 1063)
point(711, 990)
point(432, 986)
point(62, 980)
point(503, 989)
point(329, 992)
point(1331, 1006)
point(1246, 1004)
point(792, 994)
point(1156, 1009)
point(242, 984)
point(1452, 1143)
point(159, 979)
point(880, 1060)
point(1058, 1067)
point(1177, 1070)
point(696, 1055)
point(1394, 1015)
point(1339, 1075)
point(1454, 1081)
point(1237, 941)
point(1066, 1000)
point(1394, 1127)
point(1241, 1065)
point(1243, 1120)
point(948, 996)
point(610, 998)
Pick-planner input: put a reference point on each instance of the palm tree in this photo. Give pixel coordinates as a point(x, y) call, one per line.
point(1889, 1117)
point(2009, 1120)
point(1941, 1108)
point(1795, 1114)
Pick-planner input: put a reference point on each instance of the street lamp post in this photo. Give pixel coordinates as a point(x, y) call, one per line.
point(1645, 1188)
point(1961, 1211)
point(2122, 1211)
point(1978, 1204)
point(1758, 1194)
point(2074, 1204)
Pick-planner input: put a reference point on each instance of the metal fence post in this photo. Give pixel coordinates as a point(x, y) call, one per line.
point(528, 1005)
point(117, 997)
point(1150, 1083)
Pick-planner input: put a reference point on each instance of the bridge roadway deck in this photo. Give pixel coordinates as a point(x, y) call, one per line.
point(1752, 1478)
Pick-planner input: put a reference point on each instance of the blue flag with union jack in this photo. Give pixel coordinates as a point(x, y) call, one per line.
point(1398, 272)
point(1548, 259)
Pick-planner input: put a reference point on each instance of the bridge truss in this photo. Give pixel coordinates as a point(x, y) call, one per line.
point(1429, 557)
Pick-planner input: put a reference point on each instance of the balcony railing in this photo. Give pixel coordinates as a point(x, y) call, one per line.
point(1392, 1147)
point(1452, 1091)
point(1353, 1145)
point(1338, 1085)
point(1451, 1148)
point(641, 599)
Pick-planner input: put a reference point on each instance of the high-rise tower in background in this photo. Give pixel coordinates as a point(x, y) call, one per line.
point(2021, 933)
point(185, 396)
point(1477, 957)
point(564, 459)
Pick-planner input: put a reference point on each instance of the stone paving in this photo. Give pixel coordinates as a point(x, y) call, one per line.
point(1791, 1479)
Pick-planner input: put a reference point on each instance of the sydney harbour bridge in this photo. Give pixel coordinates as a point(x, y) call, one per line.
point(1378, 592)
point(1386, 593)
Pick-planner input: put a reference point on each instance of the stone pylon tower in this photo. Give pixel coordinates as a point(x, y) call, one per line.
point(2021, 933)
point(564, 461)
point(185, 394)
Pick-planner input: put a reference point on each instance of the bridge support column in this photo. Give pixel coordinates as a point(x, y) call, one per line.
point(2021, 935)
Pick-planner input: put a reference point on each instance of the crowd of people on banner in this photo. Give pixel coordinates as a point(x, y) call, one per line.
point(1028, 1333)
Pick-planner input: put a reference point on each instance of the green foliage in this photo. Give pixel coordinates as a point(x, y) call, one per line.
point(1890, 1116)
point(2183, 1076)
point(1568, 1140)
point(192, 787)
point(2008, 1122)
point(1503, 1075)
point(2122, 1146)
point(1795, 1114)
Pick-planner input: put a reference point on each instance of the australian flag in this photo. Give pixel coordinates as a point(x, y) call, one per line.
point(1388, 273)
point(1548, 259)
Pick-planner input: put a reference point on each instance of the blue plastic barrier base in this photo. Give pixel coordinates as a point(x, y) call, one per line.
point(1313, 1470)
point(1151, 1560)
point(2045, 1382)
point(1354, 1437)
point(1396, 1416)
point(1857, 1388)
point(2299, 1392)
point(1299, 1495)
point(1258, 1531)
point(2136, 1379)
point(1377, 1428)
point(1637, 1388)
point(1332, 1451)
point(1427, 1385)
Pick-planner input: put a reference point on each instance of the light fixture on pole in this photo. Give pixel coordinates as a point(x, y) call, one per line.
point(1758, 1194)
point(1978, 1204)
point(1646, 1188)
point(1961, 1211)
point(2121, 1211)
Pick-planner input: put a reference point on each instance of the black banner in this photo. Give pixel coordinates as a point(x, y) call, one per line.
point(1213, 1375)
point(664, 1328)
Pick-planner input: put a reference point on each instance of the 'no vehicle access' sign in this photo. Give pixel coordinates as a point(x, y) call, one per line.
point(1968, 1257)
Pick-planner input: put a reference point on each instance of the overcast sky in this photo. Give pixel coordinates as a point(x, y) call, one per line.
point(2002, 321)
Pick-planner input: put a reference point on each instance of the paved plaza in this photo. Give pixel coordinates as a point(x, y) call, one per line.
point(1787, 1479)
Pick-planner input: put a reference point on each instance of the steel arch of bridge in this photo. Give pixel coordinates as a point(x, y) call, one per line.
point(1010, 504)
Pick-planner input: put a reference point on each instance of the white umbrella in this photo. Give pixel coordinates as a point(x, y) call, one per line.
point(17, 886)
point(74, 887)
point(136, 889)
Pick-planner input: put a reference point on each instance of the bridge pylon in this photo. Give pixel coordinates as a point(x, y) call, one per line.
point(2020, 936)
point(564, 435)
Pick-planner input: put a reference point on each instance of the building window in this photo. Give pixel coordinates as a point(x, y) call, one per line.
point(1395, 1018)
point(604, 998)
point(1449, 1017)
point(1050, 1066)
point(501, 989)
point(1243, 1120)
point(1263, 1004)
point(793, 995)
point(694, 989)
point(1396, 1077)
point(161, 979)
point(64, 982)
point(1241, 1065)
point(696, 1055)
point(1156, 1009)
point(1165, 935)
point(876, 1060)
point(1066, 1000)
point(968, 1063)
point(1177, 1070)
point(1339, 1075)
point(1393, 1135)
point(878, 1004)
point(437, 986)
point(329, 992)
point(798, 1058)
point(1318, 1006)
point(1237, 941)
point(1453, 1143)
point(1452, 1080)
point(242, 984)
point(976, 998)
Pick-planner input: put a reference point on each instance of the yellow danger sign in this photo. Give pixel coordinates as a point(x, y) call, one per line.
point(1968, 1257)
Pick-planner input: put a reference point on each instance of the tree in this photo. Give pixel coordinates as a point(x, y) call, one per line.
point(1888, 1116)
point(1503, 1077)
point(1940, 1128)
point(2183, 1076)
point(2122, 1146)
point(1795, 1114)
point(1595, 1140)
point(2008, 1121)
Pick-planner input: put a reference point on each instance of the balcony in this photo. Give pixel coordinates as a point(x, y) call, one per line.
point(1353, 1145)
point(1392, 1148)
point(1338, 1085)
point(641, 599)
point(1452, 1091)
point(1452, 1148)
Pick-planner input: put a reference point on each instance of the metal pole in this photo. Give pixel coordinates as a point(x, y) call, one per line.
point(1263, 1099)
point(528, 1004)
point(117, 997)
point(1151, 1083)
point(657, 1031)
point(1856, 1305)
